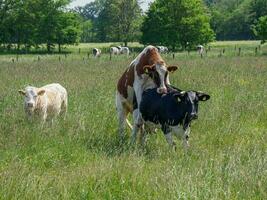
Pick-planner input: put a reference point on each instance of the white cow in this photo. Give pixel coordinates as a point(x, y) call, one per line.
point(162, 49)
point(124, 50)
point(114, 51)
point(200, 49)
point(96, 52)
point(45, 102)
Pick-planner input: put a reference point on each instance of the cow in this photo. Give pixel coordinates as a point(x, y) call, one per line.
point(173, 111)
point(200, 49)
point(46, 102)
point(96, 52)
point(147, 70)
point(124, 50)
point(114, 51)
point(162, 49)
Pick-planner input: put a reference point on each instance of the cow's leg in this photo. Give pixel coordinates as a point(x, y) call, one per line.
point(43, 118)
point(138, 92)
point(143, 134)
point(136, 125)
point(122, 120)
point(64, 108)
point(168, 135)
point(186, 137)
point(122, 114)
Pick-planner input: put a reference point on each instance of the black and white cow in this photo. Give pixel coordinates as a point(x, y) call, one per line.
point(173, 111)
point(96, 52)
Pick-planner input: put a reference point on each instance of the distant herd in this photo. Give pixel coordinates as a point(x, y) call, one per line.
point(143, 90)
point(125, 50)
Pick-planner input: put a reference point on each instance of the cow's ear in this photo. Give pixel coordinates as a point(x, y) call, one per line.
point(179, 96)
point(172, 68)
point(22, 92)
point(149, 68)
point(41, 92)
point(202, 96)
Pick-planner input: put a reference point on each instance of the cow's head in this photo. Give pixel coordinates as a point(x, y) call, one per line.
point(159, 72)
point(31, 95)
point(190, 100)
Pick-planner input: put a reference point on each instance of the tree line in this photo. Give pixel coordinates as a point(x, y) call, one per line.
point(178, 24)
point(31, 23)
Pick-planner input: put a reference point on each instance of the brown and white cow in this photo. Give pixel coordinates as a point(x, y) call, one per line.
point(147, 70)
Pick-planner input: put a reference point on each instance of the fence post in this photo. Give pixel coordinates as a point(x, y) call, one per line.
point(173, 55)
point(239, 51)
point(38, 58)
point(256, 50)
point(79, 50)
point(223, 51)
point(88, 55)
point(209, 48)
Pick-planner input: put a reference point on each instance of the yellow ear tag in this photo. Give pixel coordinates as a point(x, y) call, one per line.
point(146, 70)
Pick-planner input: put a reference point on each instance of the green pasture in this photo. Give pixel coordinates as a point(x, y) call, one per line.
point(81, 157)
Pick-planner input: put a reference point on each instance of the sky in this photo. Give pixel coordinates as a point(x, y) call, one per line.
point(75, 3)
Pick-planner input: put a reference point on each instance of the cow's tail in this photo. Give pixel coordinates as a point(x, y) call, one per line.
point(129, 124)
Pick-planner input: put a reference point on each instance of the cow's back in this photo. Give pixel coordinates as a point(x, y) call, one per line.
point(56, 95)
point(160, 108)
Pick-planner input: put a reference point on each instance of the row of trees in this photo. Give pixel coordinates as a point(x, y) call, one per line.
point(174, 23)
point(236, 19)
point(30, 23)
point(111, 20)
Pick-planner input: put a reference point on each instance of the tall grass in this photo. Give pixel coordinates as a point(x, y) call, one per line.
point(81, 158)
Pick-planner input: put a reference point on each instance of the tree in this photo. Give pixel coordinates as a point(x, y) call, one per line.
point(176, 23)
point(234, 19)
point(67, 29)
point(17, 22)
point(118, 20)
point(88, 34)
point(128, 12)
point(260, 30)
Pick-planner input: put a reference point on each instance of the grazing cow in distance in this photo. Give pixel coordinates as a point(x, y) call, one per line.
point(147, 70)
point(114, 51)
point(124, 50)
point(163, 49)
point(200, 49)
point(96, 52)
point(173, 111)
point(46, 102)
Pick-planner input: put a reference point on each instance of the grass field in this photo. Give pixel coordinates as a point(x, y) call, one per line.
point(81, 158)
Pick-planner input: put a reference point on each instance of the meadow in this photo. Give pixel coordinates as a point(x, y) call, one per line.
point(82, 158)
